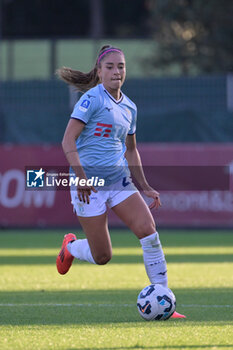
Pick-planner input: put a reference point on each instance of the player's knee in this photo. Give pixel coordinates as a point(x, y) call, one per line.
point(103, 259)
point(145, 228)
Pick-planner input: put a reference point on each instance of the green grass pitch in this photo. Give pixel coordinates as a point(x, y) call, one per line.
point(94, 307)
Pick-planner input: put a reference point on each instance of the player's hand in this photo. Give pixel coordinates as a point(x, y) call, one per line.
point(151, 193)
point(84, 193)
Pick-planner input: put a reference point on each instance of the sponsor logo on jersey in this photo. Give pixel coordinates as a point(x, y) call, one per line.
point(103, 129)
point(108, 109)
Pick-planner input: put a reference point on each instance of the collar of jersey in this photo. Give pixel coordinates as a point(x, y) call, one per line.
point(111, 97)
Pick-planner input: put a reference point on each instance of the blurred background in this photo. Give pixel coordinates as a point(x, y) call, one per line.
point(179, 57)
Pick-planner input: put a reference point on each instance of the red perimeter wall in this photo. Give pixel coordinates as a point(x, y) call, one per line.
point(181, 207)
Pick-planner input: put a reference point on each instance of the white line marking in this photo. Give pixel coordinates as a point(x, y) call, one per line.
point(195, 305)
point(107, 305)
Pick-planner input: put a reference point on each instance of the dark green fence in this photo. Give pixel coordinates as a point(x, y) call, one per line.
point(34, 111)
point(169, 110)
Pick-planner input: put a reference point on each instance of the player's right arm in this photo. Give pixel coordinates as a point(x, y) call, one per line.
point(72, 132)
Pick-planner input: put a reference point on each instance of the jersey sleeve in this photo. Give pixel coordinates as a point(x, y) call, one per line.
point(84, 108)
point(132, 129)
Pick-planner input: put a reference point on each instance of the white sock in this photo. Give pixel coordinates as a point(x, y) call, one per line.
point(80, 249)
point(154, 259)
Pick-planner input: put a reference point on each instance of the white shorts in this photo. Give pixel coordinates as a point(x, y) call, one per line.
point(109, 196)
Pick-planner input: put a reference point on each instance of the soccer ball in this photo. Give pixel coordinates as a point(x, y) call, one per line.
point(156, 302)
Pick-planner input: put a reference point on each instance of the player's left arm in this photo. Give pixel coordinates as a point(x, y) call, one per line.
point(135, 165)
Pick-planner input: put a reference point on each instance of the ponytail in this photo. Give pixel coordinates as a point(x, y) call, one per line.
point(84, 81)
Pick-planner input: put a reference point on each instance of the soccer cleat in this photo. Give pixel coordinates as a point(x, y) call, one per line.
point(177, 315)
point(64, 258)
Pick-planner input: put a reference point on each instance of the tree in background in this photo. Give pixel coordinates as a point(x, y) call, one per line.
point(195, 35)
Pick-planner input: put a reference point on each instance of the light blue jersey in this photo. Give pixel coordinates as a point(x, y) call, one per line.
point(101, 145)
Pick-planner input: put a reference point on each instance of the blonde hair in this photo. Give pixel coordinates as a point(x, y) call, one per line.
point(85, 81)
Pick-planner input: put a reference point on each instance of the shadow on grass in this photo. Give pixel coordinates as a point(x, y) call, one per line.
point(120, 238)
point(208, 305)
point(119, 259)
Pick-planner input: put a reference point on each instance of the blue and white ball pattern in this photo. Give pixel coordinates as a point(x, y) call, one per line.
point(156, 302)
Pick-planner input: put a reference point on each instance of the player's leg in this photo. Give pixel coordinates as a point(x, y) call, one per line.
point(96, 248)
point(134, 212)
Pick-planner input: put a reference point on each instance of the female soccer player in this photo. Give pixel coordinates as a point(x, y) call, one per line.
point(100, 141)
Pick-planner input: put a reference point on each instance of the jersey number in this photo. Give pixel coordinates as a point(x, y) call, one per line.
point(125, 182)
